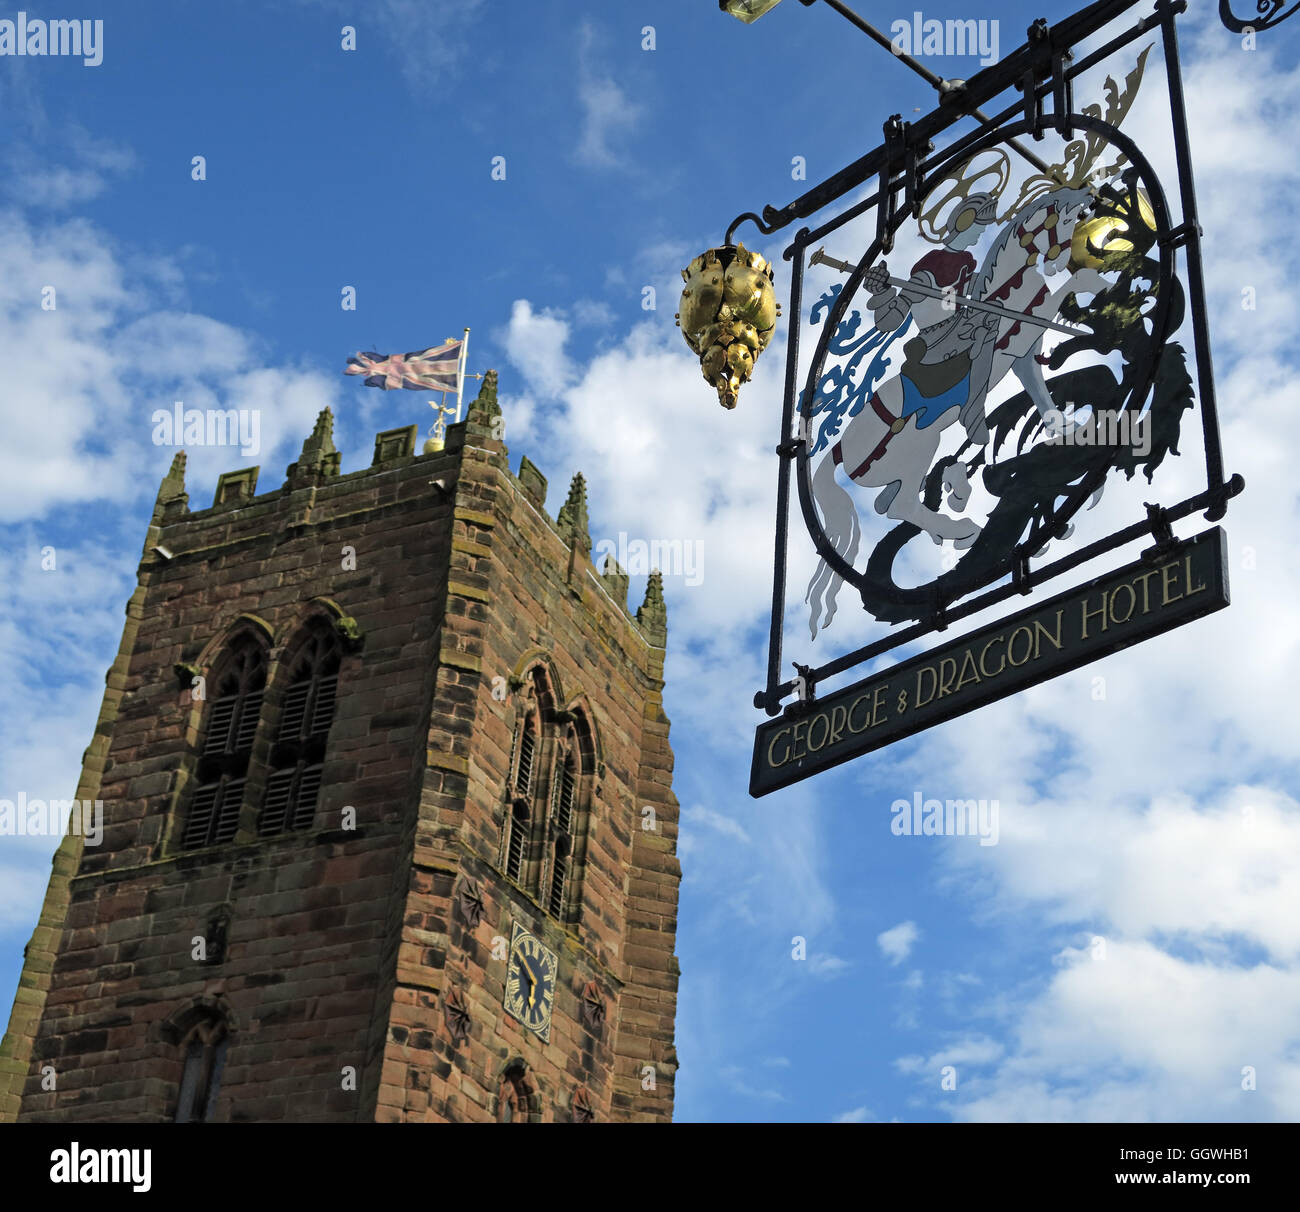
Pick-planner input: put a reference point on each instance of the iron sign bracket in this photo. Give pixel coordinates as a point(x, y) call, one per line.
point(1161, 530)
point(1182, 235)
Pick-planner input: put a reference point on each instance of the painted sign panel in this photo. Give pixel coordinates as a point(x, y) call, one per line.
point(1167, 587)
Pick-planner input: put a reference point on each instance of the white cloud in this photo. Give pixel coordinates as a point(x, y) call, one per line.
point(592, 313)
point(36, 180)
point(969, 1053)
point(738, 1079)
point(1144, 1035)
point(58, 187)
point(521, 411)
point(1204, 876)
point(859, 1115)
point(535, 344)
point(75, 434)
point(664, 461)
point(607, 111)
point(427, 38)
point(709, 819)
point(824, 966)
point(896, 944)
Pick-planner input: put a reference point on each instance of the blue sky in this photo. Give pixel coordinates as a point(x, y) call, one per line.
point(1161, 820)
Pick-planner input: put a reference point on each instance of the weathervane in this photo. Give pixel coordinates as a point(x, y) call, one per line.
point(1020, 322)
point(438, 430)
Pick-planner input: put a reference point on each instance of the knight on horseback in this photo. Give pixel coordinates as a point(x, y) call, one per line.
point(974, 327)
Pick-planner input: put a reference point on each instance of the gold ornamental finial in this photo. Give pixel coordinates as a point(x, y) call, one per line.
point(728, 313)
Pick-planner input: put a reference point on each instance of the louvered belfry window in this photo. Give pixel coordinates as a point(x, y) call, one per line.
point(518, 838)
point(520, 813)
point(227, 745)
point(562, 820)
point(298, 753)
point(527, 752)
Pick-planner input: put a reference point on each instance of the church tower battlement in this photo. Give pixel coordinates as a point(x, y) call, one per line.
point(389, 830)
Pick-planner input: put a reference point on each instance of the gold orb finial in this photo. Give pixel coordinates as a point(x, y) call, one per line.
point(728, 313)
point(1098, 240)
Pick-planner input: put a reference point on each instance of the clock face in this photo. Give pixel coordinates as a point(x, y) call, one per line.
point(530, 982)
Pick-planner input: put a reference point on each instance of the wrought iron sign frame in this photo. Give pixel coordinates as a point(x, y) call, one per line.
point(1043, 70)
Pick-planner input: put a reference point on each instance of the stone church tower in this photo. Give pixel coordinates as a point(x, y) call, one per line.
point(389, 831)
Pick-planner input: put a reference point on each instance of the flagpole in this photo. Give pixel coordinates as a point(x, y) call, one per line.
point(460, 372)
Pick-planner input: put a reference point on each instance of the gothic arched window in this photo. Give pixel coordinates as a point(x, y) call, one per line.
point(227, 745)
point(516, 1098)
point(204, 1050)
point(298, 754)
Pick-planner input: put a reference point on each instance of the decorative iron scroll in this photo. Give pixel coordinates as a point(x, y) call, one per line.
point(1268, 13)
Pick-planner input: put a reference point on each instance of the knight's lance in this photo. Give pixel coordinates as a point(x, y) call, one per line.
point(820, 258)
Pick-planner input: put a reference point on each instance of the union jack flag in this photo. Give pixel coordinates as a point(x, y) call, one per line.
point(436, 369)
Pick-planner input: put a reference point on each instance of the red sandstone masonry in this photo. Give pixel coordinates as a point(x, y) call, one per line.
point(343, 948)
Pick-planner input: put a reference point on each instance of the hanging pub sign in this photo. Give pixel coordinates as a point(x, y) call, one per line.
point(1007, 324)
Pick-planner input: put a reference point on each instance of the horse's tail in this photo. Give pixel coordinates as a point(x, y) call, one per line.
point(840, 522)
